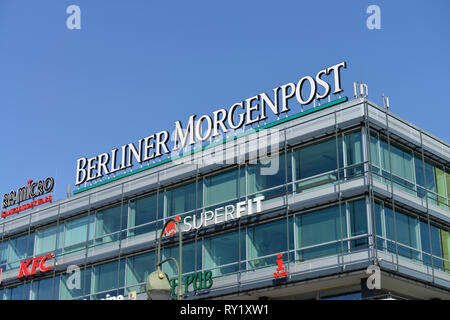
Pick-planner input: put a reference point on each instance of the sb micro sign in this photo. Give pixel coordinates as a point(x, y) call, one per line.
point(31, 190)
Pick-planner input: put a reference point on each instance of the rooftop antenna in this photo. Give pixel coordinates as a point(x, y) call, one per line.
point(68, 190)
point(355, 85)
point(385, 101)
point(363, 90)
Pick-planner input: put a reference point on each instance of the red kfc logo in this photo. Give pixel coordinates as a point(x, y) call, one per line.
point(36, 263)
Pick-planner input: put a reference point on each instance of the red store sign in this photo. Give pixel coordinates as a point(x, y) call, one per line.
point(37, 263)
point(281, 272)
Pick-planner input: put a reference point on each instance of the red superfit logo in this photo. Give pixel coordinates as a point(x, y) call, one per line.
point(171, 227)
point(36, 264)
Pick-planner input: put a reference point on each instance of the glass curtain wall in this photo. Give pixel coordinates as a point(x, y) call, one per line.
point(47, 240)
point(323, 162)
point(399, 231)
point(310, 235)
point(410, 171)
point(266, 177)
point(73, 286)
point(138, 269)
point(19, 248)
point(142, 213)
point(108, 278)
point(45, 289)
point(331, 230)
point(108, 224)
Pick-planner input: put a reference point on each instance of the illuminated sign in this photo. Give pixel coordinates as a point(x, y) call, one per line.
point(281, 272)
point(243, 113)
point(30, 191)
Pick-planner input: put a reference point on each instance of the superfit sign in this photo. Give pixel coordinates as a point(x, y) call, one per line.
point(199, 129)
point(31, 190)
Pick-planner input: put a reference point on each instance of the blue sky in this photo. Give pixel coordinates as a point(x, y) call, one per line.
point(136, 66)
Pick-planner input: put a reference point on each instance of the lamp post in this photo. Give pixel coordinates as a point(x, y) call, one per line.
point(158, 286)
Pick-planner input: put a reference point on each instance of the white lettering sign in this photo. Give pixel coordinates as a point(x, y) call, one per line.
point(205, 127)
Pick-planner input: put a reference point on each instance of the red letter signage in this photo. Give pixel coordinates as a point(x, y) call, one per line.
point(36, 263)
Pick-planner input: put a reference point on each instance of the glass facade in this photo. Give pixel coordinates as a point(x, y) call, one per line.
point(411, 236)
point(409, 171)
point(304, 236)
point(300, 236)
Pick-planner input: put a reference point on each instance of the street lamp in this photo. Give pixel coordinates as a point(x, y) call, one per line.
point(158, 286)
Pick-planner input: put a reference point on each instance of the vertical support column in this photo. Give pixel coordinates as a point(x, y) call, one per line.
point(56, 250)
point(426, 201)
point(158, 190)
point(120, 240)
point(392, 187)
point(339, 188)
point(286, 196)
point(368, 173)
point(87, 244)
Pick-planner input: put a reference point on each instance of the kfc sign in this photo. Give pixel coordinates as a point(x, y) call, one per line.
point(37, 263)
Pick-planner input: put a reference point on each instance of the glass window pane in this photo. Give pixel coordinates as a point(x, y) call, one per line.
point(76, 231)
point(447, 182)
point(374, 151)
point(17, 248)
point(181, 199)
point(105, 277)
point(46, 239)
point(358, 222)
point(353, 145)
point(74, 284)
point(223, 186)
point(20, 292)
point(3, 252)
point(188, 259)
point(402, 163)
point(138, 269)
point(320, 226)
point(266, 174)
point(266, 239)
point(315, 159)
point(108, 221)
point(142, 211)
point(389, 220)
point(440, 187)
point(354, 155)
point(424, 237)
point(358, 218)
point(419, 173)
point(217, 252)
point(379, 219)
point(407, 230)
point(445, 242)
point(42, 289)
point(122, 266)
point(430, 182)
